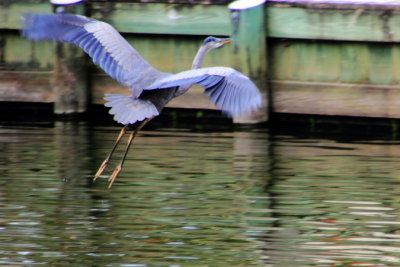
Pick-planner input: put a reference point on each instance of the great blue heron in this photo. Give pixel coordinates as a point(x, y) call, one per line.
point(151, 90)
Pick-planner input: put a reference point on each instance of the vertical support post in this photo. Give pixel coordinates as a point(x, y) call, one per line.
point(250, 50)
point(69, 76)
point(1, 49)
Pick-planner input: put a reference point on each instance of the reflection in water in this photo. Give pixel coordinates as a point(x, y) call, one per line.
point(196, 199)
point(335, 203)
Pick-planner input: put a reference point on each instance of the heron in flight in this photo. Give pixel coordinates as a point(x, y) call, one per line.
point(151, 89)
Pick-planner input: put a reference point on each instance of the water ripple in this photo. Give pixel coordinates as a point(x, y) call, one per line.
point(197, 199)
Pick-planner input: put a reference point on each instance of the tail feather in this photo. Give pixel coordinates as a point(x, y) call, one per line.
point(128, 110)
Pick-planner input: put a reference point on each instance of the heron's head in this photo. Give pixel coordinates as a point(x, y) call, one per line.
point(213, 42)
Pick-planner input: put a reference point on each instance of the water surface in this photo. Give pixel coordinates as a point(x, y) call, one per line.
point(190, 198)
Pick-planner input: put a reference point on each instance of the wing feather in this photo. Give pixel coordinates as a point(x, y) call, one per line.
point(100, 40)
point(227, 88)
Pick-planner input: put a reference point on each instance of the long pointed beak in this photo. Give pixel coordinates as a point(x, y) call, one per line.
point(226, 41)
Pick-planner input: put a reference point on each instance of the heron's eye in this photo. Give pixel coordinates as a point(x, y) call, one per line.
point(209, 39)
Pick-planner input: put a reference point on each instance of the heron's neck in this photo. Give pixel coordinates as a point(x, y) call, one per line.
point(198, 59)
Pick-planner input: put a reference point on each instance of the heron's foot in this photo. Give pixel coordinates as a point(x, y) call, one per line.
point(114, 175)
point(100, 170)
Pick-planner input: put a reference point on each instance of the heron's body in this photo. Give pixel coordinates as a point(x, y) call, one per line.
point(150, 88)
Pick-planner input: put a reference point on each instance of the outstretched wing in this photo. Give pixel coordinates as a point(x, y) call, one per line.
point(100, 40)
point(227, 88)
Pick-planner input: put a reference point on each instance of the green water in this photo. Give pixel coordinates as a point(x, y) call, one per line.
point(185, 198)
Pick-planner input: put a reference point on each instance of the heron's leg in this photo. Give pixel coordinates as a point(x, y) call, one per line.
point(118, 169)
point(107, 160)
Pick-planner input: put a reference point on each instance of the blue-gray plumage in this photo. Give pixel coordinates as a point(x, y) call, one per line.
point(151, 89)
